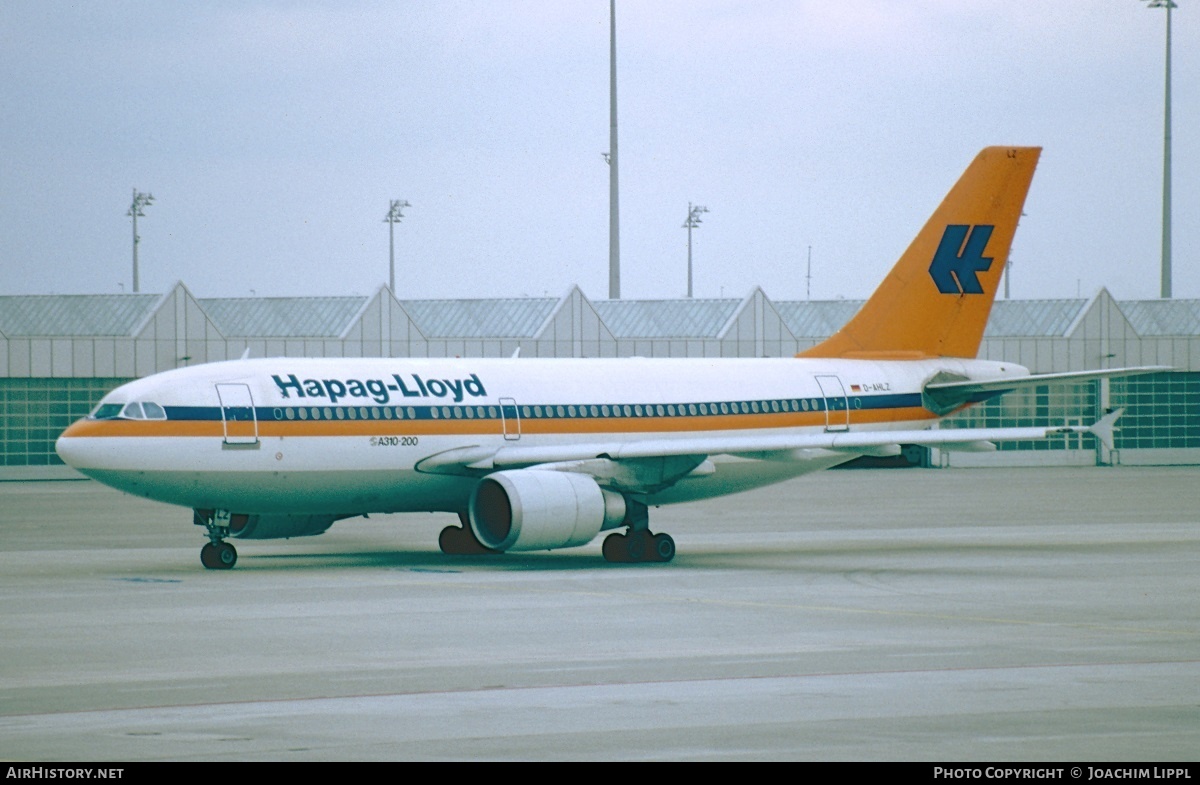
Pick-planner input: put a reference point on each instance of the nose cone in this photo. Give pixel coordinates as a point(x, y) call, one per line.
point(71, 446)
point(64, 447)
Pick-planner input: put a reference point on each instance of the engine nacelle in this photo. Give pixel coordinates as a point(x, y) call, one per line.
point(271, 526)
point(533, 510)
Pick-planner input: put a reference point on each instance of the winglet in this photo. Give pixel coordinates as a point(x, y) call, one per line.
point(1103, 428)
point(936, 300)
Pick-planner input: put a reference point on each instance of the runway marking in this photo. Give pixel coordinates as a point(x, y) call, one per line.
point(502, 689)
point(828, 609)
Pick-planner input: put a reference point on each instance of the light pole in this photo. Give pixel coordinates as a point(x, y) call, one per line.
point(692, 222)
point(808, 277)
point(391, 219)
point(614, 211)
point(1166, 203)
point(140, 201)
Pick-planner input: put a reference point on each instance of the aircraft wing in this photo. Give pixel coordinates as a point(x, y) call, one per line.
point(781, 447)
point(948, 395)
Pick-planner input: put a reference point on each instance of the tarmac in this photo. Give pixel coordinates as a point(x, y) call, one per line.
point(953, 615)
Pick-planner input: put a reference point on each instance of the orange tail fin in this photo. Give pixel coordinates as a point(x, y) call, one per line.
point(936, 300)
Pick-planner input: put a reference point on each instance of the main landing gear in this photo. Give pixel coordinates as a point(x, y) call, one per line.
point(639, 544)
point(217, 554)
point(460, 540)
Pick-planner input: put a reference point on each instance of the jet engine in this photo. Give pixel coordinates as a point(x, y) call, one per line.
point(530, 510)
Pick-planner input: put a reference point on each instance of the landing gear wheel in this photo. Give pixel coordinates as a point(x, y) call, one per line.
point(460, 541)
point(614, 549)
point(638, 546)
point(664, 547)
point(218, 556)
point(227, 556)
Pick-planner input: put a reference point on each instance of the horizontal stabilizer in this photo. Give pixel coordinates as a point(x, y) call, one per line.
point(945, 396)
point(1105, 427)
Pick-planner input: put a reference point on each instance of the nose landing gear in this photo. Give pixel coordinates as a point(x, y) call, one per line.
point(217, 554)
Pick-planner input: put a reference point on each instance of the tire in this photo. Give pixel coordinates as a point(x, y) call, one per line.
point(448, 540)
point(663, 547)
point(460, 541)
point(614, 549)
point(638, 546)
point(226, 556)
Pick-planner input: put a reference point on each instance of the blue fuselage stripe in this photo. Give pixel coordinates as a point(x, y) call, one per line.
point(554, 411)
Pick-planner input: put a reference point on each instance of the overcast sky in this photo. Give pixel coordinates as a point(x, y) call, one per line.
point(273, 135)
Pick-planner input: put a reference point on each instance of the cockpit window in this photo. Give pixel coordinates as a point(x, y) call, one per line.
point(153, 411)
point(107, 411)
point(135, 410)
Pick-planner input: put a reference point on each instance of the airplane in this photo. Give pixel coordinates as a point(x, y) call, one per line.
point(541, 454)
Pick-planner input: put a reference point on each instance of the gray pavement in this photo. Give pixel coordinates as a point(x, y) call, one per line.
point(961, 614)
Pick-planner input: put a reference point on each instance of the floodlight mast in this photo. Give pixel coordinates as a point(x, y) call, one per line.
point(140, 201)
point(614, 212)
point(1166, 204)
point(393, 217)
point(692, 222)
point(808, 277)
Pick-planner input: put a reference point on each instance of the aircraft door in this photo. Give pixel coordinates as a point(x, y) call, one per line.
point(237, 414)
point(510, 418)
point(837, 408)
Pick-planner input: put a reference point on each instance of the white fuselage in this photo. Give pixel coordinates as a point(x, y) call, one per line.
point(350, 436)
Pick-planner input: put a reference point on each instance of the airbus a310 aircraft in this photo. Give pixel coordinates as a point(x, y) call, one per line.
point(537, 454)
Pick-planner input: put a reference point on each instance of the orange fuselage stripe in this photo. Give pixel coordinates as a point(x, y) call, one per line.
point(468, 427)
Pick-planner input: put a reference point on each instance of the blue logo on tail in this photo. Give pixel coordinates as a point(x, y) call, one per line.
point(959, 257)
